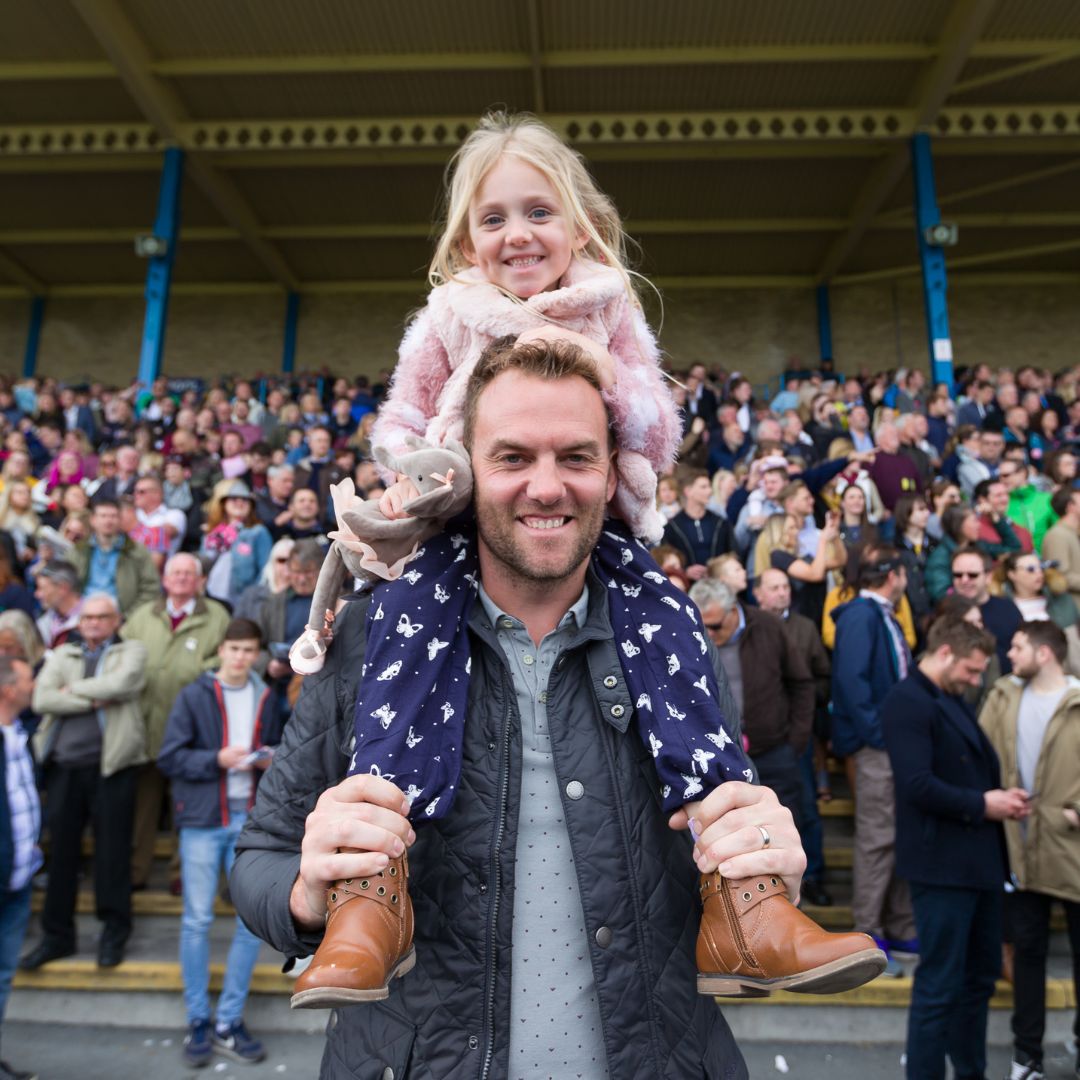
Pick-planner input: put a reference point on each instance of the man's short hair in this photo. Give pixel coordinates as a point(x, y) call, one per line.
point(962, 637)
point(1059, 501)
point(982, 488)
point(277, 470)
point(307, 552)
point(63, 573)
point(243, 630)
point(550, 360)
point(105, 502)
point(788, 490)
point(104, 597)
point(709, 591)
point(687, 475)
point(1048, 633)
point(171, 561)
point(971, 549)
point(876, 563)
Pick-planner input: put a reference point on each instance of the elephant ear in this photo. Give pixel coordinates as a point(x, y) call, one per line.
point(386, 459)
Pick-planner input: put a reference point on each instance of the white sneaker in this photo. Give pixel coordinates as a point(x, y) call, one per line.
point(1026, 1070)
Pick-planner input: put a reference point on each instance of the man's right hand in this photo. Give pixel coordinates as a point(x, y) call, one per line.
point(355, 829)
point(229, 757)
point(1013, 803)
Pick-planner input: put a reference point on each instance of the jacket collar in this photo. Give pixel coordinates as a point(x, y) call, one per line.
point(951, 707)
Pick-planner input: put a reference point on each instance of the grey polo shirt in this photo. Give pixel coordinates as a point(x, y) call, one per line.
point(554, 1013)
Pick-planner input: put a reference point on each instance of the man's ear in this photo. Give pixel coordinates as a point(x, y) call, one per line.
point(613, 475)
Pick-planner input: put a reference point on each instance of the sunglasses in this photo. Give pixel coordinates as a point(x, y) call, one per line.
point(967, 575)
point(1030, 569)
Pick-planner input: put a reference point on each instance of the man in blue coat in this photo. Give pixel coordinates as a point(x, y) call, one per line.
point(870, 657)
point(949, 847)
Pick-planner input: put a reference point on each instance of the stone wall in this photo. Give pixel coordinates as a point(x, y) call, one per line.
point(754, 330)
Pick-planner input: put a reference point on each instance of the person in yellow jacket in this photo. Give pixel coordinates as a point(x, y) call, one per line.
point(1032, 717)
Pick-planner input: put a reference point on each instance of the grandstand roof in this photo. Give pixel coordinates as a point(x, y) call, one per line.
point(746, 142)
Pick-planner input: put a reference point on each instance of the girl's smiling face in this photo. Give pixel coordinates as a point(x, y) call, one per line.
point(519, 237)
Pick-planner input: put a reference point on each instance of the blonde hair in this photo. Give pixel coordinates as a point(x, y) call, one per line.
point(21, 627)
point(590, 213)
point(771, 539)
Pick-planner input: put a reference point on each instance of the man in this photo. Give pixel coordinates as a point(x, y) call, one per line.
point(90, 744)
point(773, 592)
point(701, 400)
point(892, 472)
point(859, 428)
point(273, 506)
point(771, 684)
point(56, 587)
point(77, 417)
point(305, 522)
point(108, 562)
point(1028, 507)
point(1033, 721)
point(949, 804)
point(480, 998)
point(218, 742)
point(871, 656)
point(794, 442)
point(767, 480)
point(997, 534)
point(20, 825)
point(971, 579)
point(181, 631)
point(909, 397)
point(1062, 541)
point(980, 404)
point(695, 530)
point(151, 511)
point(985, 467)
point(317, 471)
point(912, 429)
point(1017, 426)
point(122, 482)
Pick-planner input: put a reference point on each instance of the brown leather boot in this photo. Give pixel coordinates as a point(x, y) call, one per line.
point(754, 940)
point(368, 941)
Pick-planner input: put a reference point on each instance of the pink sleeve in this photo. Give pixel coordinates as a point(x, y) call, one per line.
point(422, 370)
point(646, 418)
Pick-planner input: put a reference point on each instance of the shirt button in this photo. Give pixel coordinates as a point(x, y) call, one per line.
point(483, 887)
point(617, 711)
point(611, 682)
point(603, 937)
point(527, 660)
point(575, 789)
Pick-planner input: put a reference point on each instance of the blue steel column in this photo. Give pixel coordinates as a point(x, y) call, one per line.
point(159, 272)
point(288, 348)
point(932, 258)
point(33, 336)
point(824, 323)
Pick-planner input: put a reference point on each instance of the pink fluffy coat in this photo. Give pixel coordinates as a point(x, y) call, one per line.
point(443, 343)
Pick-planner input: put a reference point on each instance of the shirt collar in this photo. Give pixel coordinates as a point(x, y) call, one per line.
point(185, 609)
point(741, 627)
point(878, 598)
point(576, 615)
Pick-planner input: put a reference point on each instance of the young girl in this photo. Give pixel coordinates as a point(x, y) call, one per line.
point(531, 249)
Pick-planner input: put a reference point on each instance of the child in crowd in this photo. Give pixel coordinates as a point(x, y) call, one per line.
point(532, 249)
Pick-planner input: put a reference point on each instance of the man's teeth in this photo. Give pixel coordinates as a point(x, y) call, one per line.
point(531, 260)
point(545, 523)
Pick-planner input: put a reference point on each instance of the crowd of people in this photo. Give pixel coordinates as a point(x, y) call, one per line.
point(159, 548)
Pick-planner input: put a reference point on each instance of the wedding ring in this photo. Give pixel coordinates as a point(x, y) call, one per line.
point(766, 839)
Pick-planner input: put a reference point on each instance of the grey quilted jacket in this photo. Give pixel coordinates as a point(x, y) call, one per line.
point(450, 1017)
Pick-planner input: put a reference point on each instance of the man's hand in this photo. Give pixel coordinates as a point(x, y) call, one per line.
point(355, 829)
point(229, 757)
point(695, 571)
point(1014, 803)
point(730, 841)
point(863, 457)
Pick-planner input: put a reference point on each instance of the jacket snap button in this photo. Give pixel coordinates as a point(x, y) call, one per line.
point(474, 1042)
point(611, 682)
point(483, 887)
point(617, 711)
point(333, 1020)
point(575, 789)
point(388, 1073)
point(491, 747)
point(603, 937)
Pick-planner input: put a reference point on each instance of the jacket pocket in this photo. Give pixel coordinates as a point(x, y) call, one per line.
point(352, 1054)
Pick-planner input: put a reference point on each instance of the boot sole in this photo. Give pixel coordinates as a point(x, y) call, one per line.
point(833, 978)
point(333, 997)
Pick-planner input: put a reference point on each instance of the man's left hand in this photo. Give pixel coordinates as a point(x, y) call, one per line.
point(730, 841)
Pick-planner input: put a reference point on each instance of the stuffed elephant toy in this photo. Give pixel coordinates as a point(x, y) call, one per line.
point(368, 545)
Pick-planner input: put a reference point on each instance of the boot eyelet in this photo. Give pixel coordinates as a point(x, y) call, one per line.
point(365, 884)
point(761, 886)
point(381, 890)
point(746, 896)
point(333, 898)
point(393, 898)
point(393, 871)
point(774, 881)
point(348, 881)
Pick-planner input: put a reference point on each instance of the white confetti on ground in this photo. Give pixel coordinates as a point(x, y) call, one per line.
point(148, 1042)
point(903, 1060)
point(781, 1063)
point(220, 1067)
point(166, 1042)
point(280, 1068)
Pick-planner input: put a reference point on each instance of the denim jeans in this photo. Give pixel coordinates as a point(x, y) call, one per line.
point(203, 855)
point(14, 915)
point(959, 961)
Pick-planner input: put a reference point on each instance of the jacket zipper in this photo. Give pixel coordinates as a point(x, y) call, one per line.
point(733, 919)
point(496, 879)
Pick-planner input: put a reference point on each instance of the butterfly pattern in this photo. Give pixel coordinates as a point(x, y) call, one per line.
point(662, 651)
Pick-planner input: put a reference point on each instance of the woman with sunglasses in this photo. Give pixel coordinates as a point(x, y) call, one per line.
point(1040, 593)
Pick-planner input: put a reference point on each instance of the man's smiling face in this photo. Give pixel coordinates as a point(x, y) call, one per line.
point(544, 474)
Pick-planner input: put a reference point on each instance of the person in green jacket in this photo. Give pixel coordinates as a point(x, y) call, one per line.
point(1028, 506)
point(960, 525)
point(181, 631)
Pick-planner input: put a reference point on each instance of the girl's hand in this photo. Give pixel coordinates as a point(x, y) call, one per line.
point(395, 497)
point(605, 364)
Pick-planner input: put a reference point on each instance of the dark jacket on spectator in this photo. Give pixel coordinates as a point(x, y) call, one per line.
point(682, 532)
point(942, 762)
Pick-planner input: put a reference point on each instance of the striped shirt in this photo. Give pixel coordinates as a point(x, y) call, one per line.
point(24, 809)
